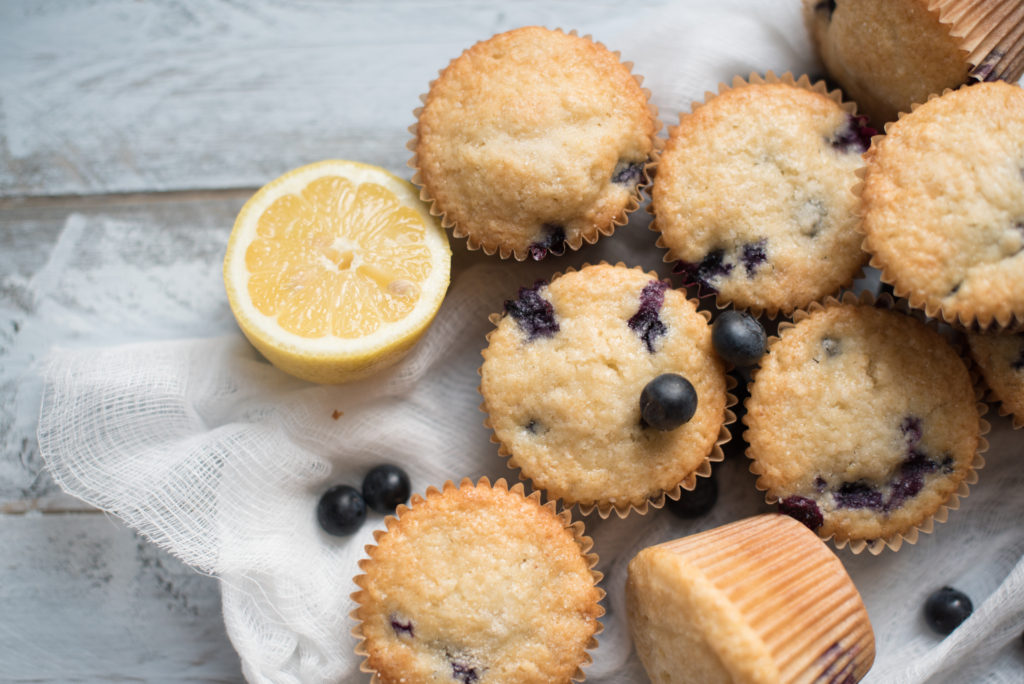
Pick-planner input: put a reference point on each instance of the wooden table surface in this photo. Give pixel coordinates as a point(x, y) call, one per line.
point(154, 121)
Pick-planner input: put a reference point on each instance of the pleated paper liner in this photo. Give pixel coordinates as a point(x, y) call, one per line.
point(491, 246)
point(1002, 389)
point(910, 535)
point(769, 309)
point(406, 520)
point(764, 594)
point(1007, 318)
point(640, 502)
point(990, 32)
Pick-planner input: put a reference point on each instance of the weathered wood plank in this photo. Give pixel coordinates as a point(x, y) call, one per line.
point(127, 96)
point(86, 600)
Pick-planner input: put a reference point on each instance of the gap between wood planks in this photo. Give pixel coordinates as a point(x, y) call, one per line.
point(122, 198)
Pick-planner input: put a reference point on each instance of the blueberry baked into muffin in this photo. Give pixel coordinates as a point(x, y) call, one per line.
point(757, 601)
point(917, 47)
point(603, 388)
point(476, 584)
point(753, 196)
point(1000, 356)
point(534, 141)
point(863, 423)
point(943, 206)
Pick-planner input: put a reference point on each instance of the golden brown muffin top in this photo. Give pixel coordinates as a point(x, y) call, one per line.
point(532, 139)
point(481, 584)
point(943, 205)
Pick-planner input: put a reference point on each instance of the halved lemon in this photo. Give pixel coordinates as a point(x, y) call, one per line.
point(335, 269)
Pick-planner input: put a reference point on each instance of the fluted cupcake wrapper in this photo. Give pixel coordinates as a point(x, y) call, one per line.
point(473, 242)
point(990, 32)
point(962, 320)
point(788, 78)
point(992, 394)
point(952, 503)
point(790, 593)
point(603, 507)
point(576, 528)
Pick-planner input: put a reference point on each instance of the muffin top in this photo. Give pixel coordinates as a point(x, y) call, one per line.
point(943, 205)
point(532, 140)
point(478, 584)
point(753, 196)
point(562, 377)
point(909, 53)
point(862, 422)
point(1001, 359)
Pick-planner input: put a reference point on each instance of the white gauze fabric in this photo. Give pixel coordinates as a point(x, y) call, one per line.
point(216, 456)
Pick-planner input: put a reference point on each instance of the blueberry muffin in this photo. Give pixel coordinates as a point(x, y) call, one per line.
point(863, 423)
point(1000, 356)
point(534, 141)
point(478, 584)
point(943, 205)
point(916, 47)
point(563, 378)
point(753, 196)
point(758, 601)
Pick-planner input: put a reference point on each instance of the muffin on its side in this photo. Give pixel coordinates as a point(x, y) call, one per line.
point(943, 205)
point(562, 379)
point(757, 601)
point(890, 54)
point(532, 141)
point(753, 196)
point(864, 424)
point(1000, 356)
point(475, 584)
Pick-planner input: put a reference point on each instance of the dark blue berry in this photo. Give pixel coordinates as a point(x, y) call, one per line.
point(738, 338)
point(384, 487)
point(553, 242)
point(859, 495)
point(646, 322)
point(802, 509)
point(946, 609)
point(533, 313)
point(711, 266)
point(627, 173)
point(402, 627)
point(911, 429)
point(667, 402)
point(463, 672)
point(341, 510)
point(753, 256)
point(696, 503)
point(854, 135)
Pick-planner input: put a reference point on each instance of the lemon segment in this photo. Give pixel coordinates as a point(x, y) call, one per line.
point(335, 269)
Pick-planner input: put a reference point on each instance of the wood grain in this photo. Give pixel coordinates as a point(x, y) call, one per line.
point(86, 600)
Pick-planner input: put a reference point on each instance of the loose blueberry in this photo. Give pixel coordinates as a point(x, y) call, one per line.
point(696, 503)
point(803, 510)
point(645, 322)
point(341, 510)
point(667, 402)
point(384, 487)
point(533, 313)
point(946, 609)
point(738, 338)
point(553, 242)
